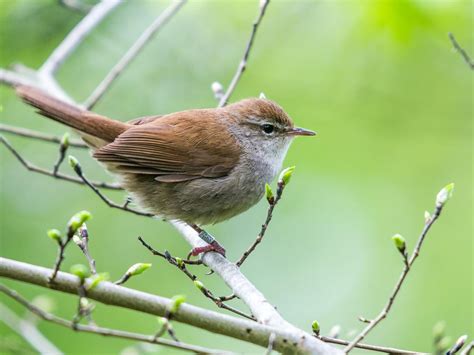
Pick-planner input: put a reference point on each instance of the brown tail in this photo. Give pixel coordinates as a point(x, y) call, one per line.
point(84, 121)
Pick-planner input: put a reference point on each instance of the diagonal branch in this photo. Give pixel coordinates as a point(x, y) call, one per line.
point(461, 51)
point(139, 44)
point(288, 339)
point(243, 63)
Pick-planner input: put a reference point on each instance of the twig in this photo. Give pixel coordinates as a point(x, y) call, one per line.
point(76, 5)
point(28, 133)
point(28, 331)
point(461, 51)
point(63, 147)
point(271, 340)
point(243, 63)
point(381, 349)
point(83, 244)
point(78, 170)
point(289, 339)
point(105, 331)
point(181, 265)
point(271, 207)
point(467, 350)
point(407, 267)
point(76, 36)
point(144, 38)
point(31, 167)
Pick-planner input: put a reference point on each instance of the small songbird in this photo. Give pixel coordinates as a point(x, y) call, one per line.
point(200, 166)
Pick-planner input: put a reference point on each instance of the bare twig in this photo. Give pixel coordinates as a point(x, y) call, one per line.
point(28, 133)
point(76, 36)
point(105, 331)
point(181, 265)
point(243, 63)
point(272, 203)
point(461, 51)
point(407, 267)
point(83, 244)
point(467, 350)
point(288, 339)
point(31, 167)
point(78, 170)
point(380, 349)
point(139, 44)
point(28, 331)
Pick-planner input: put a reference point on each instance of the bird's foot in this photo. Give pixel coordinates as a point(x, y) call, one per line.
point(214, 246)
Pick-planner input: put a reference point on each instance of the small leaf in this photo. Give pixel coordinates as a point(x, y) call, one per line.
point(138, 268)
point(444, 195)
point(269, 194)
point(316, 328)
point(55, 235)
point(77, 220)
point(177, 301)
point(179, 262)
point(97, 279)
point(65, 142)
point(285, 175)
point(80, 271)
point(399, 242)
point(199, 285)
point(73, 162)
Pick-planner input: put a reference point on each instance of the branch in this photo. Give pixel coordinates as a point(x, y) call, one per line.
point(76, 36)
point(28, 133)
point(287, 339)
point(31, 167)
point(103, 331)
point(440, 202)
point(243, 63)
point(27, 331)
point(139, 44)
point(380, 349)
point(461, 51)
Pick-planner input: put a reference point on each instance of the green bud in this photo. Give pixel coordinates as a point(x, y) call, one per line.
point(73, 162)
point(77, 220)
point(399, 242)
point(65, 142)
point(137, 269)
point(97, 279)
point(199, 285)
point(180, 262)
point(285, 175)
point(458, 345)
point(316, 328)
point(269, 194)
point(55, 235)
point(438, 329)
point(177, 301)
point(444, 343)
point(427, 216)
point(80, 271)
point(444, 195)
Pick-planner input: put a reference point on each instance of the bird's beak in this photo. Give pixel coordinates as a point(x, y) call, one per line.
point(297, 131)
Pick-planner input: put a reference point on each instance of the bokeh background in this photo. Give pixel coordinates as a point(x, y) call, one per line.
point(378, 80)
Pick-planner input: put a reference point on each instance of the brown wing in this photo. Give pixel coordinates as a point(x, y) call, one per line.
point(178, 147)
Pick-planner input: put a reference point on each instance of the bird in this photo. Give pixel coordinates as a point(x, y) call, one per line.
point(199, 166)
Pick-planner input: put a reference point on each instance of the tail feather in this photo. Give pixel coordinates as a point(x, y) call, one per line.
point(86, 122)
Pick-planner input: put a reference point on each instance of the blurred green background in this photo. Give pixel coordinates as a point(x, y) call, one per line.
point(378, 80)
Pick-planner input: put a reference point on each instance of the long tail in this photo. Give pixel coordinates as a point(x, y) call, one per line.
point(89, 123)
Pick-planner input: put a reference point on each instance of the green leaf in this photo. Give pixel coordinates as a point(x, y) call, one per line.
point(55, 235)
point(65, 141)
point(80, 271)
point(177, 301)
point(286, 174)
point(138, 268)
point(73, 162)
point(97, 279)
point(199, 285)
point(399, 242)
point(269, 194)
point(77, 220)
point(315, 326)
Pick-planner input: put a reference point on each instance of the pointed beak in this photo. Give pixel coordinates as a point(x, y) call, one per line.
point(297, 131)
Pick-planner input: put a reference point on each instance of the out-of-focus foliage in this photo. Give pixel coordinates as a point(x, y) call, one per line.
point(392, 104)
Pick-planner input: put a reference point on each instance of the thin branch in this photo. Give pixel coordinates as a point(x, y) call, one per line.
point(110, 203)
point(243, 63)
point(105, 331)
point(76, 36)
point(83, 244)
point(467, 350)
point(380, 349)
point(28, 133)
point(134, 50)
point(461, 51)
point(28, 331)
point(31, 167)
point(407, 267)
point(181, 265)
point(11, 78)
point(271, 207)
point(288, 339)
point(76, 5)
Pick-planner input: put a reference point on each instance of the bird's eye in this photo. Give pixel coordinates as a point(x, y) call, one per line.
point(268, 128)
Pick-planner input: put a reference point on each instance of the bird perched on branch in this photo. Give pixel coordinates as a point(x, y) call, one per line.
point(200, 166)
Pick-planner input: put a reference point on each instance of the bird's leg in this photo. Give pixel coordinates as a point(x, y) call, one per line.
point(212, 244)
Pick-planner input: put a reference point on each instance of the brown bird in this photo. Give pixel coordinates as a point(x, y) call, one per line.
point(200, 166)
